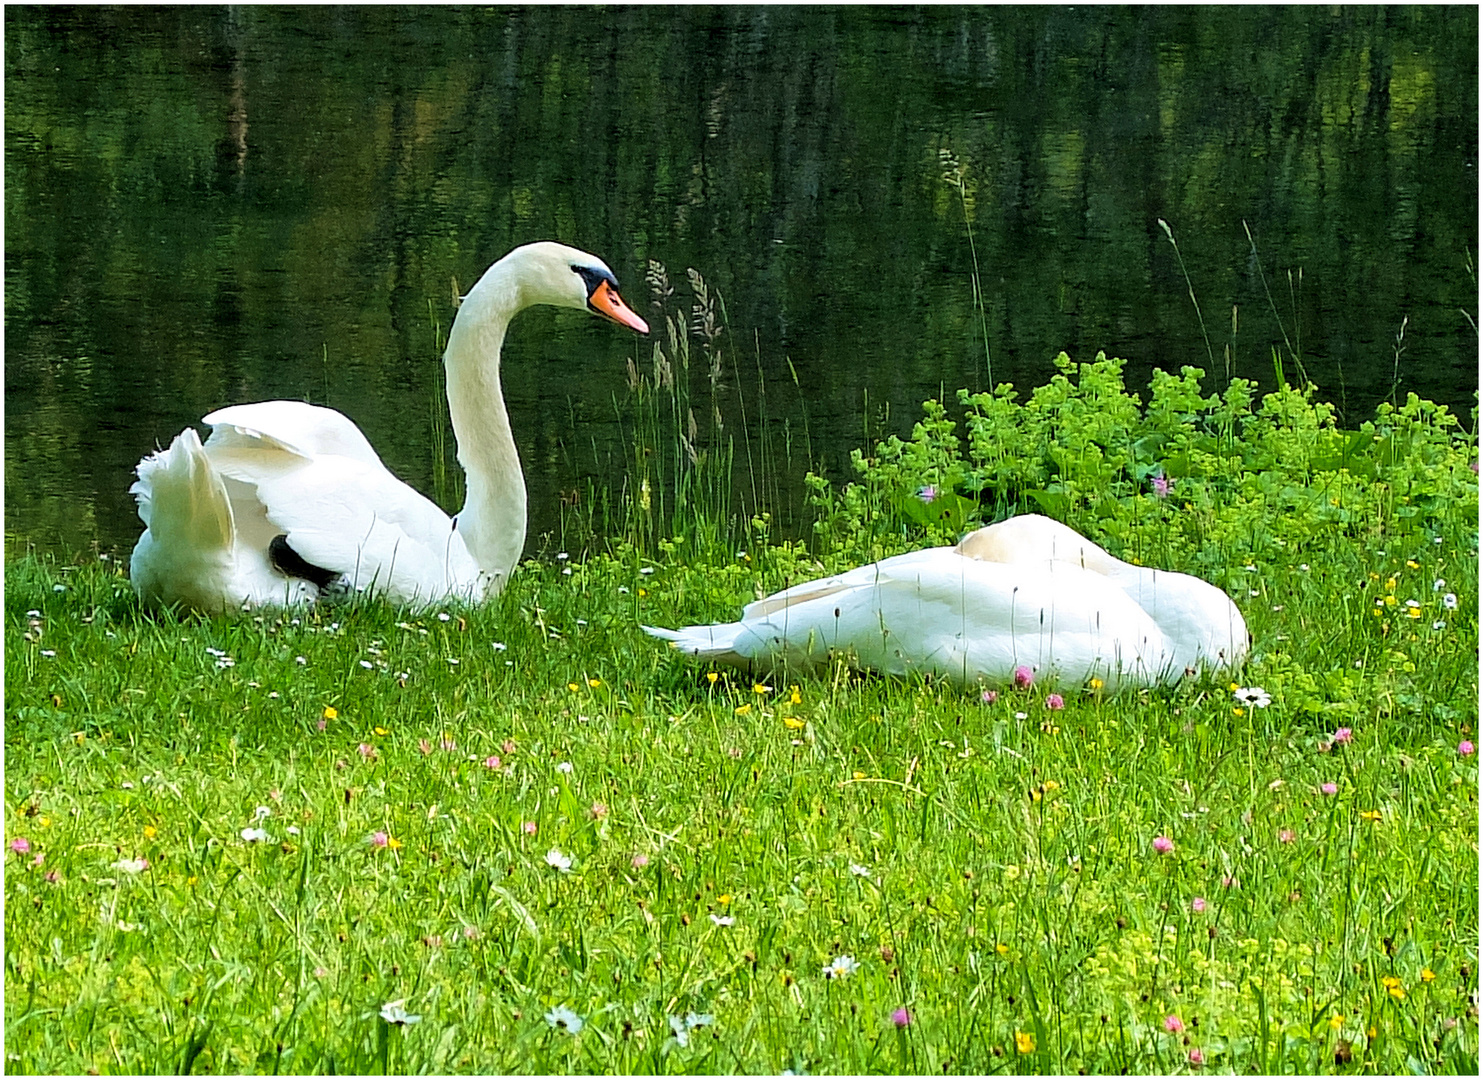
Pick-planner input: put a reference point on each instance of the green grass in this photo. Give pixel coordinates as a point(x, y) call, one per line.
point(990, 867)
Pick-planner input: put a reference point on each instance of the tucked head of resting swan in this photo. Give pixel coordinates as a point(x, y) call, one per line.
point(1027, 591)
point(287, 503)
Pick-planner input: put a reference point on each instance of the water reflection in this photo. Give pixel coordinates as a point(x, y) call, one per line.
point(206, 206)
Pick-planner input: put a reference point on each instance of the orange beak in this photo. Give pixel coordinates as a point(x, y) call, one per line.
point(606, 301)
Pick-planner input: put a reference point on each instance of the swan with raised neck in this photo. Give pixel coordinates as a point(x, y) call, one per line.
point(287, 502)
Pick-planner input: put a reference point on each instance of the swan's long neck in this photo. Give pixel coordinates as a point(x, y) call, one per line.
point(492, 521)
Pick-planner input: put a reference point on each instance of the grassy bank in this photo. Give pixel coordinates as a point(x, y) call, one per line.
point(237, 845)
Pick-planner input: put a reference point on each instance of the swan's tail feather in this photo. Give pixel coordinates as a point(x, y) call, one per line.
point(181, 497)
point(716, 642)
point(190, 530)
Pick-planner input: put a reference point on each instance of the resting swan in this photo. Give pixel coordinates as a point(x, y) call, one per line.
point(286, 502)
point(1028, 591)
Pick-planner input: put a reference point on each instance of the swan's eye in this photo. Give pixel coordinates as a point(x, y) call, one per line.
point(592, 278)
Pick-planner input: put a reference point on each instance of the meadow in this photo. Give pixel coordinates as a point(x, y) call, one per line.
point(528, 838)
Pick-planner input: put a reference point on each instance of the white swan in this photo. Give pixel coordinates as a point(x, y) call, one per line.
point(286, 502)
point(1028, 591)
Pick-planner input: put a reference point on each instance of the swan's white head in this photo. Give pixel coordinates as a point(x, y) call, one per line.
point(551, 273)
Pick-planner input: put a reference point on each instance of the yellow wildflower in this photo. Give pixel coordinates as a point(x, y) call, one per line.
point(1095, 683)
point(1369, 815)
point(1024, 1042)
point(393, 843)
point(711, 676)
point(1413, 564)
point(760, 688)
point(149, 832)
point(1388, 981)
point(380, 731)
point(594, 683)
point(330, 712)
point(742, 710)
point(1002, 949)
point(1336, 1021)
point(1051, 785)
point(1398, 993)
point(724, 898)
point(858, 775)
point(573, 687)
point(1427, 975)
point(793, 698)
point(792, 722)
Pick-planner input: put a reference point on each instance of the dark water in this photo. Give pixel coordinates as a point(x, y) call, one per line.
point(206, 206)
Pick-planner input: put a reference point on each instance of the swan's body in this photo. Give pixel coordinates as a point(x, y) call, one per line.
point(287, 501)
point(1025, 592)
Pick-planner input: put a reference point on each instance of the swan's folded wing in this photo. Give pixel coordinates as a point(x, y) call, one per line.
point(293, 426)
point(938, 612)
point(356, 519)
point(1059, 620)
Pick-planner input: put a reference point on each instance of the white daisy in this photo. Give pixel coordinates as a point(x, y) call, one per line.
point(564, 1019)
point(393, 1013)
point(841, 967)
point(1254, 696)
